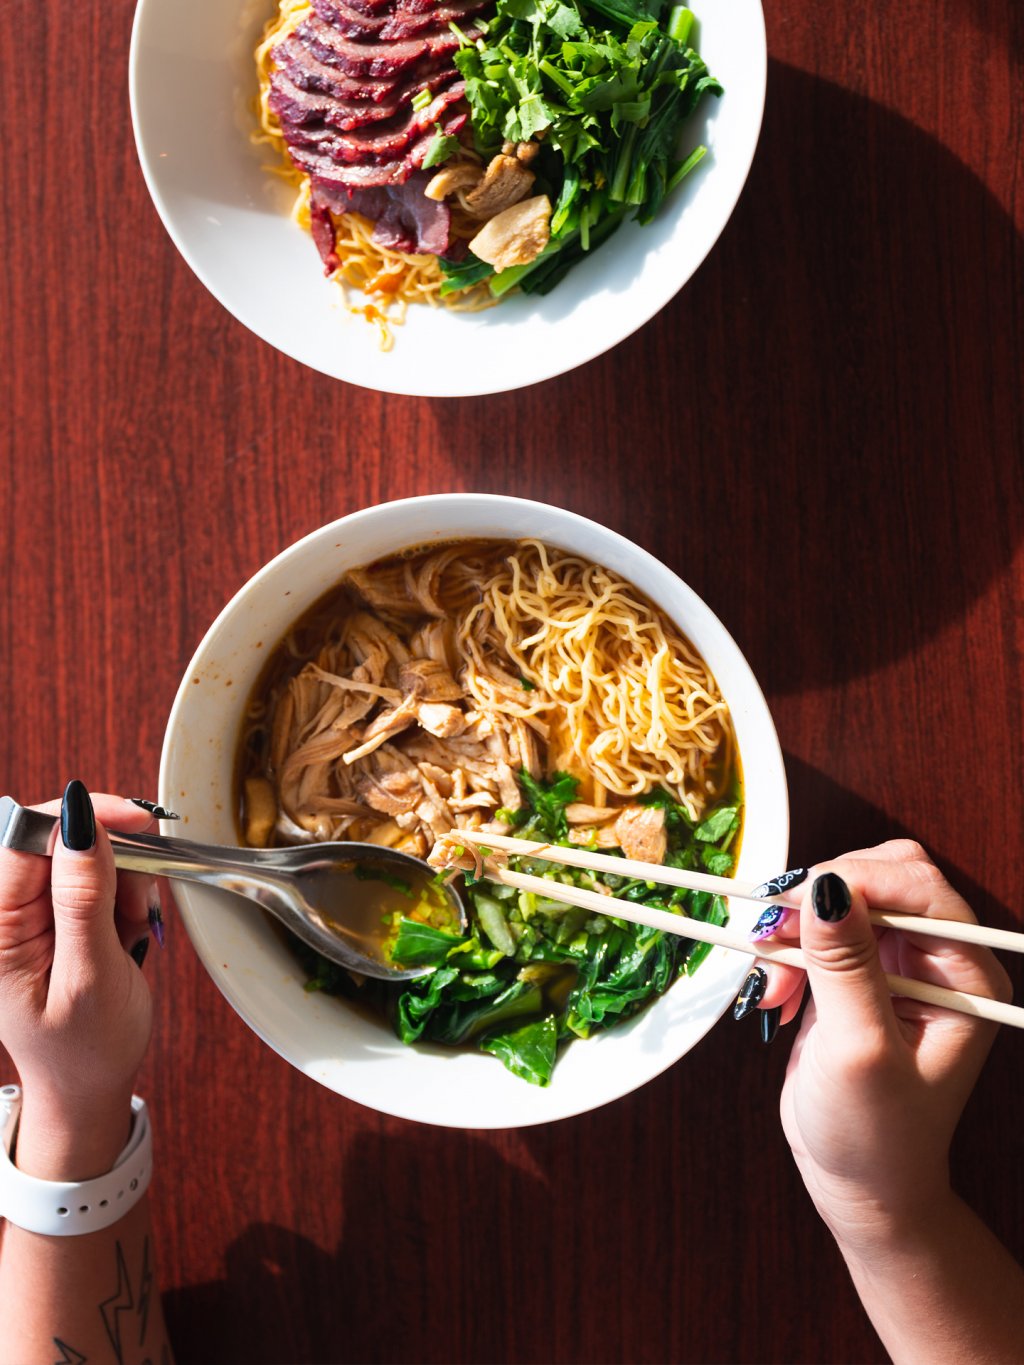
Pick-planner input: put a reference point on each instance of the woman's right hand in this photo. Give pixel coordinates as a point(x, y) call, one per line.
point(875, 1085)
point(75, 1010)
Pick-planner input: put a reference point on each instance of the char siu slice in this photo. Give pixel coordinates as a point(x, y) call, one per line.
point(378, 60)
point(380, 142)
point(330, 174)
point(402, 21)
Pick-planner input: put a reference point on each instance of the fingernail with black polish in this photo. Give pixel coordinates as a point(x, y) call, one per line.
point(155, 916)
point(785, 881)
point(768, 921)
point(751, 993)
point(830, 897)
point(770, 1024)
point(157, 812)
point(77, 821)
point(138, 953)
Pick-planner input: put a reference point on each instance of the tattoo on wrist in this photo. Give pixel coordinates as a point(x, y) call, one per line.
point(68, 1354)
point(123, 1302)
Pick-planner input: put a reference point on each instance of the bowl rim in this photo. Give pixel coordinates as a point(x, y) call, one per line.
point(621, 322)
point(227, 982)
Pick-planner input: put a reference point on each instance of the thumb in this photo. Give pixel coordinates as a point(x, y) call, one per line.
point(851, 997)
point(82, 886)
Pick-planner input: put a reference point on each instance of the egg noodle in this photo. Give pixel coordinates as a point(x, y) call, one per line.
point(626, 697)
point(389, 279)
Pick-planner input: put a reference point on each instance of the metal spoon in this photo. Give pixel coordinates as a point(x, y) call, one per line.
point(308, 888)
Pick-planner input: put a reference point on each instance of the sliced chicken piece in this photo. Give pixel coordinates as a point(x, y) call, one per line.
point(436, 641)
point(508, 787)
point(440, 719)
point(640, 831)
point(506, 181)
point(526, 743)
point(449, 853)
point(382, 728)
point(580, 814)
point(369, 637)
point(442, 780)
point(601, 836)
point(476, 801)
point(319, 753)
point(383, 588)
point(429, 680)
point(515, 236)
point(393, 793)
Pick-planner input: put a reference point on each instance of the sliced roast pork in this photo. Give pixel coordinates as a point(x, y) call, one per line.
point(361, 89)
point(391, 22)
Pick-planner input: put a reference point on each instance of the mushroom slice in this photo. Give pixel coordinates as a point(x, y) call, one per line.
point(516, 236)
point(457, 177)
point(505, 182)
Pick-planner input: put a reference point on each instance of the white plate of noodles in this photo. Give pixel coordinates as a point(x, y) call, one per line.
point(344, 1046)
point(193, 92)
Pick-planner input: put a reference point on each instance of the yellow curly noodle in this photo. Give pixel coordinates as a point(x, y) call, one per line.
point(625, 696)
point(389, 280)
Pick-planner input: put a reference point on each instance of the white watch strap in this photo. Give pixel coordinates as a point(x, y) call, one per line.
point(60, 1208)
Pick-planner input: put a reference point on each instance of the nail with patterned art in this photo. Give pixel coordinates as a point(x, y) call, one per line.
point(157, 812)
point(751, 993)
point(155, 915)
point(773, 917)
point(785, 881)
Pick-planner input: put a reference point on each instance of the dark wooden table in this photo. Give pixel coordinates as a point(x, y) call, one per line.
point(823, 434)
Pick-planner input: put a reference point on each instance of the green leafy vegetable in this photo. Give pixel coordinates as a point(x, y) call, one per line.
point(528, 1052)
point(549, 802)
point(717, 825)
point(606, 89)
point(421, 945)
point(533, 971)
point(441, 148)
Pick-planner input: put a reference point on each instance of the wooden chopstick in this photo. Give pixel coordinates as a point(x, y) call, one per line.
point(927, 926)
point(980, 1006)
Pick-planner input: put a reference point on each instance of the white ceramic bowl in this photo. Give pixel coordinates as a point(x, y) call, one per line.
point(322, 1036)
point(192, 85)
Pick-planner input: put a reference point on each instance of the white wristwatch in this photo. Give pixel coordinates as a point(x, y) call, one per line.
point(60, 1208)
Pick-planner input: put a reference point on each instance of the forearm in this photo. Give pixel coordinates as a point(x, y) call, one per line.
point(946, 1291)
point(93, 1296)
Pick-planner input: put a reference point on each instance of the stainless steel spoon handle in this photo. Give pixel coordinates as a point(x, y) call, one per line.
point(235, 869)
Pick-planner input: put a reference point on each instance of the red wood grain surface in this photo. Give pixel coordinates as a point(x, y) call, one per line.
point(822, 434)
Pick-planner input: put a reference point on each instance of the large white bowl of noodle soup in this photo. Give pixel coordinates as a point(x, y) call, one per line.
point(192, 81)
point(349, 1052)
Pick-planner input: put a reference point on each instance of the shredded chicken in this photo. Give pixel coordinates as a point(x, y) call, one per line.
point(398, 734)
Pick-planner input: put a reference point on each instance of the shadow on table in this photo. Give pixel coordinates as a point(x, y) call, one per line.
point(827, 820)
point(374, 1298)
point(821, 432)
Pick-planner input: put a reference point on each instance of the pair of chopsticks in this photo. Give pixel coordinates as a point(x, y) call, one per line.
point(980, 1006)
